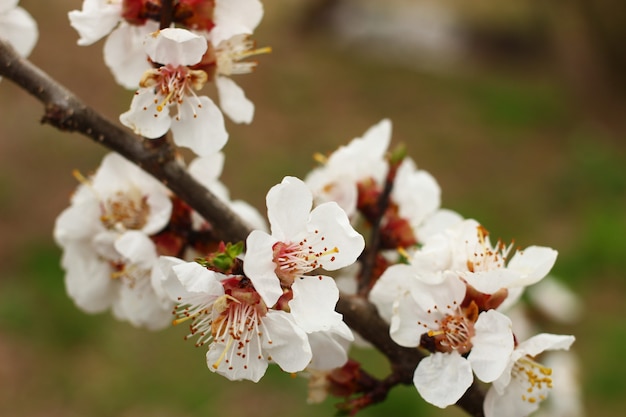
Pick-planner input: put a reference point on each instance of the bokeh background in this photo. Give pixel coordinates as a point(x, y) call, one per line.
point(517, 108)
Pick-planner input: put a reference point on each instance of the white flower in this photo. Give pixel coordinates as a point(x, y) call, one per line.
point(229, 55)
point(486, 267)
point(198, 123)
point(17, 27)
point(462, 342)
point(525, 383)
point(428, 264)
point(363, 158)
point(566, 399)
point(108, 254)
point(226, 313)
point(123, 49)
point(302, 241)
point(418, 198)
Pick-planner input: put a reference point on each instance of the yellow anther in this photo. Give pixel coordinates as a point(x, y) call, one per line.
point(318, 157)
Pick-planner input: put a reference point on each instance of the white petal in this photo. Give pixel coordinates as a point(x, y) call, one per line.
point(259, 266)
point(326, 188)
point(533, 263)
point(234, 17)
point(124, 53)
point(288, 208)
point(313, 303)
point(196, 278)
point(169, 284)
point(79, 221)
point(416, 192)
point(103, 244)
point(331, 222)
point(434, 256)
point(139, 305)
point(233, 101)
point(251, 368)
point(289, 345)
point(442, 378)
point(492, 345)
point(175, 46)
point(445, 293)
point(160, 206)
point(329, 350)
point(19, 28)
point(199, 126)
point(88, 278)
point(207, 169)
point(391, 285)
point(545, 341)
point(377, 138)
point(361, 154)
point(404, 329)
point(96, 20)
point(489, 282)
point(138, 248)
point(510, 404)
point(143, 116)
point(438, 222)
point(6, 5)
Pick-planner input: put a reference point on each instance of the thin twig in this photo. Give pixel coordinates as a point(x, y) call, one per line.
point(167, 14)
point(368, 259)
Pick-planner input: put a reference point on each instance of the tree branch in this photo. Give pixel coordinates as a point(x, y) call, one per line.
point(66, 112)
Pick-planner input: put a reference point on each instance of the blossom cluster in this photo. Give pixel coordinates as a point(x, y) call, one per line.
point(367, 221)
point(206, 41)
point(443, 286)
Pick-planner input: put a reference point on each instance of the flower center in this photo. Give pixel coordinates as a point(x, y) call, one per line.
point(172, 84)
point(233, 320)
point(486, 258)
point(296, 259)
point(236, 325)
point(195, 14)
point(454, 333)
point(534, 377)
point(124, 211)
point(229, 53)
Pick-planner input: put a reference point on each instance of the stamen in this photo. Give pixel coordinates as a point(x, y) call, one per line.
point(80, 177)
point(252, 52)
point(165, 101)
point(535, 377)
point(320, 158)
point(219, 360)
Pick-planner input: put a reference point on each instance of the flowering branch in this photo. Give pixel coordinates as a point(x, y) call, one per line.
point(65, 111)
point(363, 318)
point(432, 294)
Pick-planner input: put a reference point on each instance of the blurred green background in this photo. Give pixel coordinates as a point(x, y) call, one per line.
point(519, 112)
